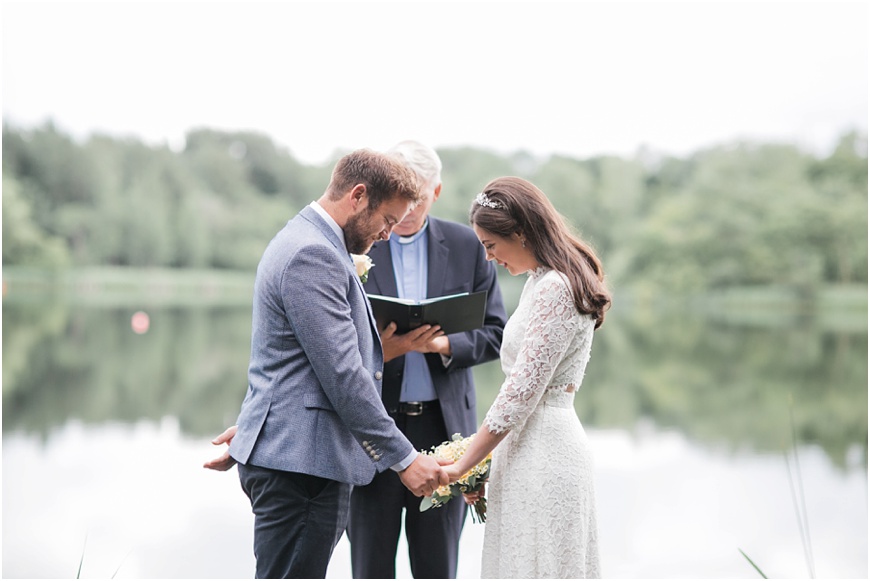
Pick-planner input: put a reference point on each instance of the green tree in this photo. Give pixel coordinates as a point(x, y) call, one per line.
point(24, 241)
point(742, 214)
point(835, 221)
point(465, 172)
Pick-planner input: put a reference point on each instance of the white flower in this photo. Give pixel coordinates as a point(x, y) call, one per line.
point(363, 264)
point(471, 481)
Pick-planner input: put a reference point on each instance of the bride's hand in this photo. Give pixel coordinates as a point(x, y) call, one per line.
point(472, 497)
point(453, 473)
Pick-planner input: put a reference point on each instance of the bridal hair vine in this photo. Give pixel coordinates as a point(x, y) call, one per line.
point(484, 200)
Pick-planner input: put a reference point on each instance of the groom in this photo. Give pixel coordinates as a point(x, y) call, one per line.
point(312, 424)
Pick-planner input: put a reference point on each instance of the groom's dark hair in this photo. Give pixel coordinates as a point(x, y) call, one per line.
point(384, 176)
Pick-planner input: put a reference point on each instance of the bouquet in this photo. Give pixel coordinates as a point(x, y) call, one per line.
point(471, 481)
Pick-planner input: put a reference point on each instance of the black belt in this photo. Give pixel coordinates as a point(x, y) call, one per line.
point(416, 408)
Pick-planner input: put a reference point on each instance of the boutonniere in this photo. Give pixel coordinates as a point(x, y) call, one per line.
point(363, 265)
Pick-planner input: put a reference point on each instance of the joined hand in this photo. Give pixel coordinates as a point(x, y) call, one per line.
point(453, 473)
point(425, 475)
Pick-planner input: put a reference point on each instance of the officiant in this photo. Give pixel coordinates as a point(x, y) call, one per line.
point(428, 387)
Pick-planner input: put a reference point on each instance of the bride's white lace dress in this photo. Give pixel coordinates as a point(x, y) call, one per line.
point(541, 516)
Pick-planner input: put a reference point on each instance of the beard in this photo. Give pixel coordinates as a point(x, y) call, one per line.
point(356, 235)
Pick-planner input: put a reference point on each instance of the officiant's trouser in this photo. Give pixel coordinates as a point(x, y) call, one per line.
point(376, 515)
point(298, 520)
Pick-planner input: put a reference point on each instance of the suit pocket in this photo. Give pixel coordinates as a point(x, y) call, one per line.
point(317, 401)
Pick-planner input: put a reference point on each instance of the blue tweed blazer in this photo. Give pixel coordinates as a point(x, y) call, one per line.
point(314, 383)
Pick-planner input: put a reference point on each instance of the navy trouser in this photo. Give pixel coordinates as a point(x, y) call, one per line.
point(376, 517)
point(298, 520)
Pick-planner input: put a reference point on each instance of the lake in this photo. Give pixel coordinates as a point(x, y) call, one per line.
point(712, 433)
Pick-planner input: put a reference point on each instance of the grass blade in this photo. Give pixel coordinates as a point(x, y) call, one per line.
point(803, 519)
point(82, 560)
point(745, 556)
point(122, 562)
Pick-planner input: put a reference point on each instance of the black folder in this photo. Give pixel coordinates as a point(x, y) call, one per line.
point(455, 313)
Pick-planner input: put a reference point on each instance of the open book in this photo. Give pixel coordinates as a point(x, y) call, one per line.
point(455, 313)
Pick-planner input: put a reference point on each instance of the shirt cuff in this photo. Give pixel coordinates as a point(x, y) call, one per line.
point(406, 462)
point(445, 360)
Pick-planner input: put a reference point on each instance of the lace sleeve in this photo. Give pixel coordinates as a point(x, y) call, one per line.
point(552, 324)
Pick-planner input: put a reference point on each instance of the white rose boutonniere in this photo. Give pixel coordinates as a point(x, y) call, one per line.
point(363, 264)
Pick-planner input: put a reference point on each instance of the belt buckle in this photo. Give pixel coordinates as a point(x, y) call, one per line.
point(413, 408)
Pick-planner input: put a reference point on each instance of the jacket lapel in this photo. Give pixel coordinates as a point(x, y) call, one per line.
point(439, 257)
point(312, 216)
point(382, 277)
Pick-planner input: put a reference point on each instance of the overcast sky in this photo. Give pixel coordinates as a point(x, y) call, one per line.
point(579, 78)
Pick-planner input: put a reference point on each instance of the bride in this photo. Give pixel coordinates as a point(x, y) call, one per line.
point(541, 517)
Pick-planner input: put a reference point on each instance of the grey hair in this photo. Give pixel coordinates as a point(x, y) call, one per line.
point(420, 158)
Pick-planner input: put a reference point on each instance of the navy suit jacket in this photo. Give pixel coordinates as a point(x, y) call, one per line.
point(457, 263)
point(314, 383)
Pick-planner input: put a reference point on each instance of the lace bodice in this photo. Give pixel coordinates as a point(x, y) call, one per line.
point(545, 347)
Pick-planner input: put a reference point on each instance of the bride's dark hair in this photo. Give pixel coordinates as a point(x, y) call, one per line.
point(513, 205)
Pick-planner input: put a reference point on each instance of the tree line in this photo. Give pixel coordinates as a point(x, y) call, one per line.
point(736, 214)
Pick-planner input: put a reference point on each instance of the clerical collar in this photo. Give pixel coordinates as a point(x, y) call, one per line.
point(415, 236)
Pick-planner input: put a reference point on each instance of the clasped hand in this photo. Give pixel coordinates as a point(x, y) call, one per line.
point(425, 475)
point(423, 339)
point(453, 472)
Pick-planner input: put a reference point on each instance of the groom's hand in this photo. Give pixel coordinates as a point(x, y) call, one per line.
point(424, 475)
point(225, 461)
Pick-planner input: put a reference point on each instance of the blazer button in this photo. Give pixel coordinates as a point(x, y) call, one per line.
point(365, 443)
point(376, 457)
point(378, 375)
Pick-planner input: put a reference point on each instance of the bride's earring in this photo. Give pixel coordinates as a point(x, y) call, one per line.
point(523, 241)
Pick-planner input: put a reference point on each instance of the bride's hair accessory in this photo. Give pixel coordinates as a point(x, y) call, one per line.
point(484, 200)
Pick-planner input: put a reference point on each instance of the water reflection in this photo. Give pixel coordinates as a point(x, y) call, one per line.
point(62, 361)
point(134, 497)
point(690, 415)
point(719, 382)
